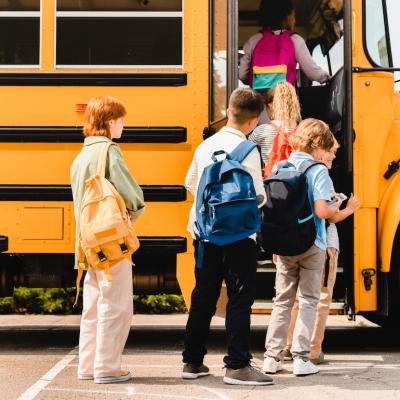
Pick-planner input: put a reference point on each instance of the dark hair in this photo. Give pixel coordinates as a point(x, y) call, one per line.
point(274, 12)
point(267, 95)
point(245, 104)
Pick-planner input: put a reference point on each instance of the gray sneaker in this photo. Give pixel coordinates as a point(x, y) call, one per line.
point(191, 371)
point(246, 376)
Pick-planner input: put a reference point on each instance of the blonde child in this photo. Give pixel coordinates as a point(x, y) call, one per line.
point(328, 275)
point(302, 273)
point(107, 306)
point(285, 116)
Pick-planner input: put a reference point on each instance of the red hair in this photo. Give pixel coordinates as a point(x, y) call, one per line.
point(99, 112)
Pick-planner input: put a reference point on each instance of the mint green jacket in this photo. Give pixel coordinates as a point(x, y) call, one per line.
point(85, 166)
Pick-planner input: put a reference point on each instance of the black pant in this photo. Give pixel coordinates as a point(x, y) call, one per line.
point(236, 263)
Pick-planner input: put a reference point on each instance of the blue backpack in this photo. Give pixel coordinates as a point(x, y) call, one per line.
point(226, 205)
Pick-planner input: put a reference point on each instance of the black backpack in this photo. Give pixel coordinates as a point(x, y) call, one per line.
point(288, 227)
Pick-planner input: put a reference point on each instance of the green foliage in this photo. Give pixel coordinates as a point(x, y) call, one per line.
point(61, 300)
point(7, 305)
point(46, 301)
point(159, 304)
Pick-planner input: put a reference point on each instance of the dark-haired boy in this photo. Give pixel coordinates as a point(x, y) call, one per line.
point(235, 263)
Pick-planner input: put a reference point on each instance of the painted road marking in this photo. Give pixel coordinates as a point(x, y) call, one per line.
point(215, 392)
point(155, 366)
point(41, 384)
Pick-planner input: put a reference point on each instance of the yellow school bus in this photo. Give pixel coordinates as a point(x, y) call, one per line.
point(174, 64)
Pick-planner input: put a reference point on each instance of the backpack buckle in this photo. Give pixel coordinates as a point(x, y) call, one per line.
point(123, 247)
point(101, 256)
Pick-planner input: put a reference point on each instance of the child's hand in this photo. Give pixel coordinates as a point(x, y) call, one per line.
point(353, 204)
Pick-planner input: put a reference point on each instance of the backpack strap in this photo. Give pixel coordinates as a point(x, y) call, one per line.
point(242, 150)
point(102, 162)
point(307, 164)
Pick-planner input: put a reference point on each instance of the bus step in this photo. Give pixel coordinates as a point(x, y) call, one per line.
point(265, 307)
point(270, 268)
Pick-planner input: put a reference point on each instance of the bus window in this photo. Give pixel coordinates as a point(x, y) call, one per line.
point(376, 39)
point(331, 62)
point(121, 33)
point(321, 60)
point(393, 11)
point(120, 5)
point(19, 34)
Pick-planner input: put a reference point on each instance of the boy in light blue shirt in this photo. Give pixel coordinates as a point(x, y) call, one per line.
point(302, 273)
point(319, 188)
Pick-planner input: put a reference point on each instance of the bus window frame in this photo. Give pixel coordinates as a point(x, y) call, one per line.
point(25, 14)
point(387, 35)
point(231, 58)
point(118, 14)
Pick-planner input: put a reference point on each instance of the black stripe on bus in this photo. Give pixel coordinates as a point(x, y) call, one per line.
point(163, 244)
point(73, 134)
point(161, 193)
point(159, 244)
point(3, 243)
point(91, 79)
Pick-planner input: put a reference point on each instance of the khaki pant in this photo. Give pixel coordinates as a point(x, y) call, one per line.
point(106, 320)
point(322, 309)
point(295, 274)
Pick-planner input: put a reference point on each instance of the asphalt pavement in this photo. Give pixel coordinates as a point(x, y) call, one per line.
point(38, 360)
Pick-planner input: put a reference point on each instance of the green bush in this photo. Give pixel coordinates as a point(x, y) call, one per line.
point(7, 305)
point(60, 301)
point(46, 301)
point(159, 304)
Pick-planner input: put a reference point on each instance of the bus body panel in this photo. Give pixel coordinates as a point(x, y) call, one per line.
point(27, 223)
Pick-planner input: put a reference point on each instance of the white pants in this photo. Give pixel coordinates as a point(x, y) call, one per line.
point(106, 320)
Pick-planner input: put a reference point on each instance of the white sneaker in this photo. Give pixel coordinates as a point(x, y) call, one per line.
point(271, 366)
point(303, 368)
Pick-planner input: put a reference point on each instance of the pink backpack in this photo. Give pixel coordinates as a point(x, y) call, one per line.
point(273, 60)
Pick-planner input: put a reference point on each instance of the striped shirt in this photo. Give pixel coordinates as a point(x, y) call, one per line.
point(264, 135)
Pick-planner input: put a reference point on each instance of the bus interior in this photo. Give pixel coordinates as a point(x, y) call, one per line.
point(320, 23)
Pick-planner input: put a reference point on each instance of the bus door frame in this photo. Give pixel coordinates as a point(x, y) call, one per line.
point(231, 24)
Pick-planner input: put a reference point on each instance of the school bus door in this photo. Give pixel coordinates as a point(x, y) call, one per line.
point(376, 145)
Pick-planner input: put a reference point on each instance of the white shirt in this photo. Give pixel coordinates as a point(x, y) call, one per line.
point(332, 236)
point(226, 139)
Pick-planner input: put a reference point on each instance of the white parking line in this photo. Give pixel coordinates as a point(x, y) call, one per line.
point(215, 392)
point(155, 366)
point(130, 391)
point(40, 385)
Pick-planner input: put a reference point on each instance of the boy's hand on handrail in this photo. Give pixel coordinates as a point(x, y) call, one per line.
point(353, 204)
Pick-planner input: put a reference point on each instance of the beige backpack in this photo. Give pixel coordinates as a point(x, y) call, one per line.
point(106, 231)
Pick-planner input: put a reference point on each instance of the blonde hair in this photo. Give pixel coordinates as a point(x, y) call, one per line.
point(312, 134)
point(286, 106)
point(336, 145)
point(99, 112)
